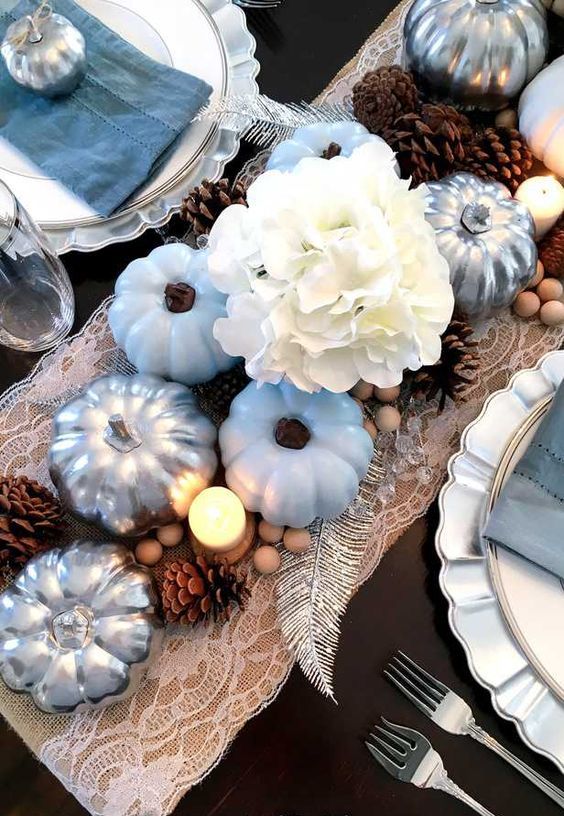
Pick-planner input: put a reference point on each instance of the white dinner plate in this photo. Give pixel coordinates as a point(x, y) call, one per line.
point(507, 613)
point(207, 38)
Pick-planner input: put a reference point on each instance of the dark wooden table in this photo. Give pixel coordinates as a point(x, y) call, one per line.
point(305, 755)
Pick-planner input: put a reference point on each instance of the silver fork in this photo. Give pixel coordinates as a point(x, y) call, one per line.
point(257, 4)
point(409, 756)
point(451, 713)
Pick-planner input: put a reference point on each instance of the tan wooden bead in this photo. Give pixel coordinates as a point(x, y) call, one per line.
point(539, 275)
point(271, 533)
point(550, 289)
point(371, 428)
point(362, 391)
point(170, 535)
point(526, 304)
point(387, 394)
point(297, 540)
point(387, 419)
point(507, 118)
point(266, 559)
point(149, 552)
point(552, 313)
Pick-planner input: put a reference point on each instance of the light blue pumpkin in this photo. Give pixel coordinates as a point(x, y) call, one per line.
point(312, 140)
point(294, 486)
point(166, 329)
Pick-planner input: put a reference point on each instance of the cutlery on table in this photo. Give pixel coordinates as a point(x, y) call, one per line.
point(409, 756)
point(451, 713)
point(257, 4)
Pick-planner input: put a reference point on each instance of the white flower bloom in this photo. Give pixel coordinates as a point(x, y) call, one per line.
point(333, 274)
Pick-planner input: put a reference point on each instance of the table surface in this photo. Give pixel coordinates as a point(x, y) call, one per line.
point(305, 755)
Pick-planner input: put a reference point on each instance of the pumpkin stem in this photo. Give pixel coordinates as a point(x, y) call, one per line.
point(119, 436)
point(333, 149)
point(179, 297)
point(476, 218)
point(291, 433)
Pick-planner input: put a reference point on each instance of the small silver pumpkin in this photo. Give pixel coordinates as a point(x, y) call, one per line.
point(45, 53)
point(131, 453)
point(78, 627)
point(479, 53)
point(487, 238)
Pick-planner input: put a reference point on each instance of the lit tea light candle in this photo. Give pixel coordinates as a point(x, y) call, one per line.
point(544, 196)
point(217, 519)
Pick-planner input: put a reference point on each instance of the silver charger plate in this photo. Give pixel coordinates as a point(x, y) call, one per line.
point(506, 612)
point(207, 38)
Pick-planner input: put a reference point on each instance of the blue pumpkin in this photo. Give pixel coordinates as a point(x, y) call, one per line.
point(294, 456)
point(313, 140)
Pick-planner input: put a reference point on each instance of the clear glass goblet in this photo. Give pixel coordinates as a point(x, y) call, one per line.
point(36, 296)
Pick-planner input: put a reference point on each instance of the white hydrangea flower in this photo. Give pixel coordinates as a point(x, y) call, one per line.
point(333, 275)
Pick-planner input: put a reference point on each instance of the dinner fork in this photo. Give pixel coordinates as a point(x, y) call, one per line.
point(257, 4)
point(409, 756)
point(451, 713)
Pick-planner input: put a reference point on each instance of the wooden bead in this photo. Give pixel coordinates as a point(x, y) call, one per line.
point(271, 533)
point(297, 540)
point(387, 394)
point(507, 118)
point(371, 428)
point(266, 559)
point(170, 535)
point(552, 313)
point(387, 419)
point(539, 275)
point(362, 391)
point(550, 289)
point(149, 552)
point(526, 304)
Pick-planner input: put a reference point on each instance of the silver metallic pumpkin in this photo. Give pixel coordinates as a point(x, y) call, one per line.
point(131, 453)
point(478, 53)
point(487, 238)
point(45, 52)
point(78, 627)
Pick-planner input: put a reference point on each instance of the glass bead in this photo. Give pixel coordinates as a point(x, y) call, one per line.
point(414, 424)
point(385, 493)
point(424, 475)
point(404, 443)
point(415, 456)
point(202, 241)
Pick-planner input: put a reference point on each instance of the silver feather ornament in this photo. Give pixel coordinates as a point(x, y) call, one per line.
point(265, 122)
point(314, 589)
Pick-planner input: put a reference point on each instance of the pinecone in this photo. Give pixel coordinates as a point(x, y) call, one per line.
point(501, 154)
point(30, 515)
point(551, 250)
point(383, 95)
point(204, 204)
point(215, 397)
point(456, 369)
point(201, 591)
point(429, 143)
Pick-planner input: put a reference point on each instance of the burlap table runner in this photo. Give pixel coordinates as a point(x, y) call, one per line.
point(140, 757)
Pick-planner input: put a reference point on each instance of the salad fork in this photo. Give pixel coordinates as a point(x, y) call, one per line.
point(451, 713)
point(409, 757)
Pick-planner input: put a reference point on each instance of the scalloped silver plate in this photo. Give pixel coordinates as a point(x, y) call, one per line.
point(208, 38)
point(506, 612)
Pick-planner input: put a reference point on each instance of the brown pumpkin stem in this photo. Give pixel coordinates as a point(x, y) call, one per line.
point(291, 433)
point(331, 151)
point(179, 297)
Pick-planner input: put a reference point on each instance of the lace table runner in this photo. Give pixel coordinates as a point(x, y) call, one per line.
point(138, 758)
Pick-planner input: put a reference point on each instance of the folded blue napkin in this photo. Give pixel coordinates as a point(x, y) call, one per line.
point(103, 140)
point(529, 514)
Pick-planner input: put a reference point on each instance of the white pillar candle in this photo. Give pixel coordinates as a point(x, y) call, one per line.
point(217, 519)
point(544, 196)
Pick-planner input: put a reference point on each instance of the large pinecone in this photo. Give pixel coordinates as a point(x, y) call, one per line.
point(456, 369)
point(204, 204)
point(195, 591)
point(551, 250)
point(383, 95)
point(429, 143)
point(501, 154)
point(30, 515)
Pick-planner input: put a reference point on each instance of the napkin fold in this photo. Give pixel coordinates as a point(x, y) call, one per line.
point(528, 517)
point(103, 140)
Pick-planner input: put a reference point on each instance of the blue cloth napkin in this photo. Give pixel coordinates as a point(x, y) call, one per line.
point(103, 140)
point(529, 514)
